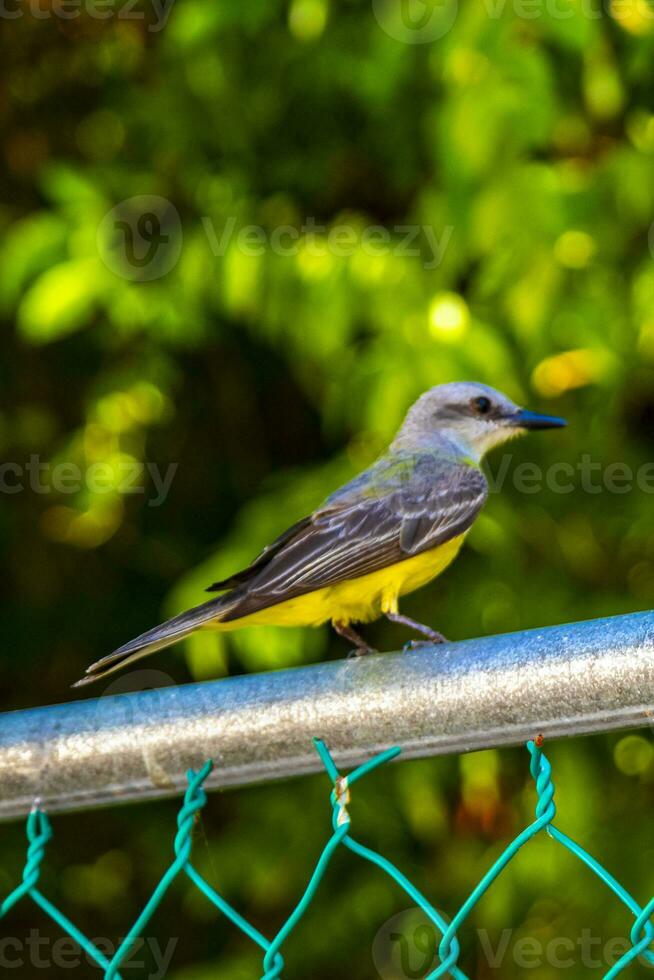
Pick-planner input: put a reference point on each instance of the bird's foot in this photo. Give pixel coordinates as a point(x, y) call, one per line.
point(361, 648)
point(360, 652)
point(432, 636)
point(435, 637)
point(418, 644)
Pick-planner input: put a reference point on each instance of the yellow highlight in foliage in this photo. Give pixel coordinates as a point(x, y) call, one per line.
point(449, 316)
point(113, 411)
point(574, 249)
point(571, 369)
point(61, 300)
point(120, 411)
point(206, 655)
point(640, 129)
point(479, 774)
point(633, 755)
point(634, 16)
point(307, 19)
point(98, 442)
point(147, 402)
point(314, 259)
point(86, 529)
point(646, 340)
point(467, 66)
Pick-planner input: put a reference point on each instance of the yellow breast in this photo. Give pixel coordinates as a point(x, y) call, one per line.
point(358, 600)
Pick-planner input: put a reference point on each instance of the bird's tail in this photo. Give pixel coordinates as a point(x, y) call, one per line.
point(155, 639)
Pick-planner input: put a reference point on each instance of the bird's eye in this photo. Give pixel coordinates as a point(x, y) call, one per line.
point(482, 405)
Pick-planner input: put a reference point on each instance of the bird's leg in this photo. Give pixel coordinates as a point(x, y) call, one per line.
point(432, 635)
point(360, 645)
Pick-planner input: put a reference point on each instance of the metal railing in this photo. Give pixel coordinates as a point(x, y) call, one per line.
point(446, 954)
point(499, 690)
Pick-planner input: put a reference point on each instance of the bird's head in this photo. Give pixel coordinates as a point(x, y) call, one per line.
point(469, 417)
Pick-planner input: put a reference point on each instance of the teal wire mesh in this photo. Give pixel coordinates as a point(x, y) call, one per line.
point(39, 833)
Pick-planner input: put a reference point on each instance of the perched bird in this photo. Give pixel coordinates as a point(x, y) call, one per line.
point(387, 532)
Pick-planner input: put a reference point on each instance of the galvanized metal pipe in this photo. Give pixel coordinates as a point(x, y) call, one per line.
point(562, 680)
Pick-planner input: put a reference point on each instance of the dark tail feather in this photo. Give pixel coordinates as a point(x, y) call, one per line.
point(155, 639)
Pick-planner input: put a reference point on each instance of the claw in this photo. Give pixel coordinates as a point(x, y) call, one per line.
point(360, 652)
point(418, 644)
point(414, 645)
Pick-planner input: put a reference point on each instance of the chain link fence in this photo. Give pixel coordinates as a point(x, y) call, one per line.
point(39, 834)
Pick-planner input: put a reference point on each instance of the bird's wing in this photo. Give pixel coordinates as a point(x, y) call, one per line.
point(268, 553)
point(394, 515)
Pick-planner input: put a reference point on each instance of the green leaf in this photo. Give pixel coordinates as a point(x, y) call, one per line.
point(61, 301)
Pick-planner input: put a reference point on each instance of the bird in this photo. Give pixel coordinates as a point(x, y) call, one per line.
point(387, 532)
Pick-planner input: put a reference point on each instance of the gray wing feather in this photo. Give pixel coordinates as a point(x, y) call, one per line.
point(366, 529)
point(268, 553)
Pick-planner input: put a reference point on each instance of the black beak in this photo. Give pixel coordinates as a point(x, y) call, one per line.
point(524, 419)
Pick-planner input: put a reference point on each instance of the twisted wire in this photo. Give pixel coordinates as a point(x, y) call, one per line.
point(39, 834)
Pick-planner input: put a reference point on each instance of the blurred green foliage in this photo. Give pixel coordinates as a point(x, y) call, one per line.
point(523, 139)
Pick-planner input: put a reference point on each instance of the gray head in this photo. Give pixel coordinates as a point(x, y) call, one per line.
point(467, 418)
